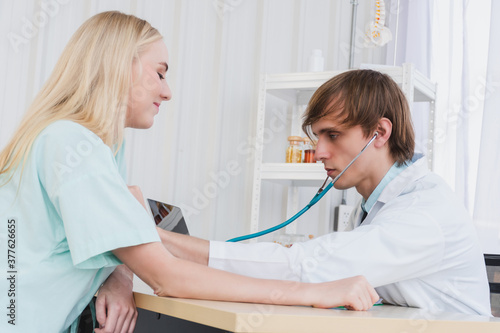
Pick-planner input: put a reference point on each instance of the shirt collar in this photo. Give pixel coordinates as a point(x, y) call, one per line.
point(395, 170)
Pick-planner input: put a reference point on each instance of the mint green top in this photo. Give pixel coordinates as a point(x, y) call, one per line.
point(73, 207)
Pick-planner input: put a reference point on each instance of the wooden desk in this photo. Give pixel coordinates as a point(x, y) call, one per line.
point(261, 318)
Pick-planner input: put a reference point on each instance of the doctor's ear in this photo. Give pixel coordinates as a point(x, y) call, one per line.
point(384, 130)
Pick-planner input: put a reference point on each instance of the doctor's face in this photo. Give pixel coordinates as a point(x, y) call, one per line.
point(149, 86)
point(337, 146)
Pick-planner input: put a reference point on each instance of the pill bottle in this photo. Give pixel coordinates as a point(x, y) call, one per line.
point(308, 151)
point(294, 150)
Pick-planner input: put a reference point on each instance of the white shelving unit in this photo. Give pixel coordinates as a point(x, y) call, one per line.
point(296, 89)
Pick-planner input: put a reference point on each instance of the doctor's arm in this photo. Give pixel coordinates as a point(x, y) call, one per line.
point(171, 276)
point(185, 247)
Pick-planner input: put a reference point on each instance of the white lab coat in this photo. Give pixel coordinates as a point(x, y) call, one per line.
point(417, 247)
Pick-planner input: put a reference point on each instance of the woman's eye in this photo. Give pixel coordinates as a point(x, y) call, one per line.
point(161, 76)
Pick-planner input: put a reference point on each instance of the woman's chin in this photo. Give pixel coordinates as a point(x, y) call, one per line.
point(142, 124)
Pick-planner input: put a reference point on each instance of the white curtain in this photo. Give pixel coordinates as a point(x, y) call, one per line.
point(464, 64)
point(488, 178)
point(198, 154)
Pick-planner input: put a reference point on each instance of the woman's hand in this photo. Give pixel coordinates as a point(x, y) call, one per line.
point(115, 306)
point(354, 293)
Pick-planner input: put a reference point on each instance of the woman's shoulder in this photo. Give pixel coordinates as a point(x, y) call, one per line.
point(68, 130)
point(65, 151)
point(63, 135)
point(65, 139)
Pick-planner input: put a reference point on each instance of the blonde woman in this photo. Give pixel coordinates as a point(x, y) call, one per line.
point(62, 195)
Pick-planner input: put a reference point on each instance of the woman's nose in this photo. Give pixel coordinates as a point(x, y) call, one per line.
point(166, 93)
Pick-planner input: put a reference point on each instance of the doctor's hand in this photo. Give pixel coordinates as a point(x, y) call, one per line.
point(354, 293)
point(115, 306)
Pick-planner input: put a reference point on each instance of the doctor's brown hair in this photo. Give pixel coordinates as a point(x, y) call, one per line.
point(363, 97)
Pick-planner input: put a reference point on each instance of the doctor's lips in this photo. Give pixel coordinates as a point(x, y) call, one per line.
point(330, 172)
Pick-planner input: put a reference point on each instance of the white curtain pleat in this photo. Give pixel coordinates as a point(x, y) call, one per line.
point(446, 71)
point(488, 178)
point(15, 64)
point(412, 40)
point(469, 126)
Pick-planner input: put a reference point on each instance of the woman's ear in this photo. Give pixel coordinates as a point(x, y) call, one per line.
point(384, 130)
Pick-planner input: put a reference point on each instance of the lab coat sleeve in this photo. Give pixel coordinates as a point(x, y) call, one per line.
point(259, 260)
point(402, 242)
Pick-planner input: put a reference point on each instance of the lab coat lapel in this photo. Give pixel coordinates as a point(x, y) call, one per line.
point(415, 171)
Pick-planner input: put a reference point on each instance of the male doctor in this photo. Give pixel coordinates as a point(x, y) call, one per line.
point(410, 236)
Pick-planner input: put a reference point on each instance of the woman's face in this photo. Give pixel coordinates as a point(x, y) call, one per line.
point(149, 86)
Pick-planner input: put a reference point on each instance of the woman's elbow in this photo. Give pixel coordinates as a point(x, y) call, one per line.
point(171, 291)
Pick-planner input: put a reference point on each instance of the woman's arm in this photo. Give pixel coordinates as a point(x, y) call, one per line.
point(168, 275)
point(181, 246)
point(171, 276)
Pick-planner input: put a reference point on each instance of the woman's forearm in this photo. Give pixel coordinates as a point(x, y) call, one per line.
point(171, 276)
point(178, 267)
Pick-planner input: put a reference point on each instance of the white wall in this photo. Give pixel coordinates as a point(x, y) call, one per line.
point(217, 49)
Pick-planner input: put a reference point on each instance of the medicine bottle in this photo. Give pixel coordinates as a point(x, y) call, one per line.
point(294, 150)
point(308, 151)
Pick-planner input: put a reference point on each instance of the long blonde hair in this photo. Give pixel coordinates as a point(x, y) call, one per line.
point(89, 85)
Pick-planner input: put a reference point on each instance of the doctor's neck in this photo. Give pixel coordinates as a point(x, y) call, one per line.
point(377, 170)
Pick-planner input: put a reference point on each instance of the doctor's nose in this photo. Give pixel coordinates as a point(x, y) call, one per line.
point(321, 152)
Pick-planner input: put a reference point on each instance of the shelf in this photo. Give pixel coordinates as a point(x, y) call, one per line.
point(294, 174)
point(298, 88)
point(424, 90)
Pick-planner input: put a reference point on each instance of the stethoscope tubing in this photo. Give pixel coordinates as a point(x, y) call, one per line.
point(321, 192)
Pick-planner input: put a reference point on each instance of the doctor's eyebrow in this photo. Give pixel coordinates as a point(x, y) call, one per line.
point(327, 130)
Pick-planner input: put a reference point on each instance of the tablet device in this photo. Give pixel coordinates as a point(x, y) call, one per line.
point(168, 217)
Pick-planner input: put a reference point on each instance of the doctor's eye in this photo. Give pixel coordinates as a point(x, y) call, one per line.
point(161, 76)
point(332, 136)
